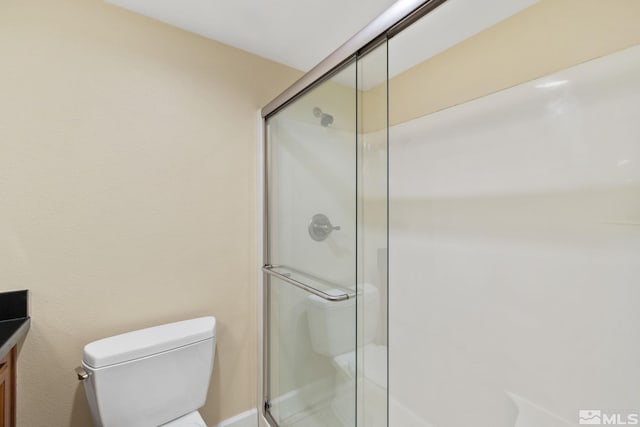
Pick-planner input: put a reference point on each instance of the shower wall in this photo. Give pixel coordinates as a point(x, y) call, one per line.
point(514, 235)
point(515, 252)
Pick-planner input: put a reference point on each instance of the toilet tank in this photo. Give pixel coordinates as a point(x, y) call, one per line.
point(150, 376)
point(332, 324)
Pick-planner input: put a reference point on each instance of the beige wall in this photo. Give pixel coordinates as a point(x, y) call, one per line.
point(127, 191)
point(549, 36)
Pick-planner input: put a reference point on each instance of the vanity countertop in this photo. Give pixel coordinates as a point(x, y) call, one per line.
point(14, 320)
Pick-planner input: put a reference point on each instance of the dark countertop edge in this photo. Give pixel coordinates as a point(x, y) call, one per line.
point(14, 304)
point(16, 337)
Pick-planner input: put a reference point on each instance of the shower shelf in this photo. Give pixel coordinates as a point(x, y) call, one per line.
point(286, 277)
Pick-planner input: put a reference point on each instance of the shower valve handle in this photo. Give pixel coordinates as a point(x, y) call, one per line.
point(328, 228)
point(320, 227)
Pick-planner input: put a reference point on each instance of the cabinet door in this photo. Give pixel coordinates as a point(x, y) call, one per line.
point(7, 391)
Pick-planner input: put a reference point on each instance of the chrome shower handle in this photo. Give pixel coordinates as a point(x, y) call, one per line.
point(320, 227)
point(327, 227)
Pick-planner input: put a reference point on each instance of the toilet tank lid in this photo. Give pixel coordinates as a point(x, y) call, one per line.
point(149, 341)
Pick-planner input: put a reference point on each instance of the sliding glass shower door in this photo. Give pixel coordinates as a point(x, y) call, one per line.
point(325, 253)
point(311, 256)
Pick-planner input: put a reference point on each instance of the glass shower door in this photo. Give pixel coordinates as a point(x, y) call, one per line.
point(311, 257)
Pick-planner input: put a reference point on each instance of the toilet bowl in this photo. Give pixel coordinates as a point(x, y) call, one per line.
point(152, 377)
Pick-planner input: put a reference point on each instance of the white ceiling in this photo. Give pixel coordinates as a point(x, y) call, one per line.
point(298, 33)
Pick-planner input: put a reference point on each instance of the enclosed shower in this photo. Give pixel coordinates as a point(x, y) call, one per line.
point(451, 225)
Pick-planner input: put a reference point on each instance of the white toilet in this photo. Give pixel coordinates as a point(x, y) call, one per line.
point(152, 377)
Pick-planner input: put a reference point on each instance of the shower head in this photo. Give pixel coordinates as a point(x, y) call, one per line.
point(325, 119)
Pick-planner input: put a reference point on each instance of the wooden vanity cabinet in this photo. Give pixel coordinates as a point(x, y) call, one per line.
point(8, 390)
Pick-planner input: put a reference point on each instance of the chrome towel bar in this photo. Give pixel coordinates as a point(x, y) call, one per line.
point(285, 278)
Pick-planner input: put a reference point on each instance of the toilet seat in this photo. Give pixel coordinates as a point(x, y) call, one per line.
point(192, 419)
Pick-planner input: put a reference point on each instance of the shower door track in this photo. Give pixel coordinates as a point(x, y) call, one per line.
point(391, 22)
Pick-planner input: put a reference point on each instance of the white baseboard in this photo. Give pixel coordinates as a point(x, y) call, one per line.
point(246, 419)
